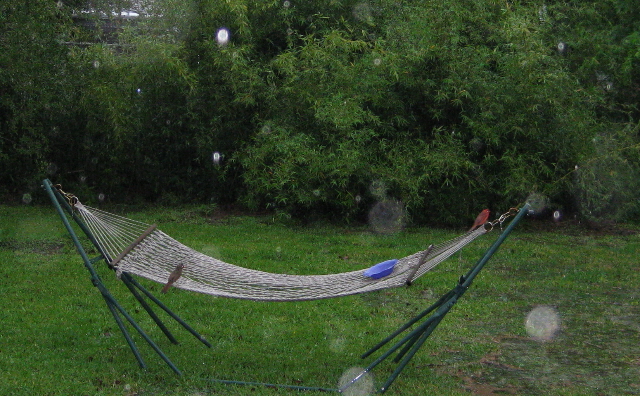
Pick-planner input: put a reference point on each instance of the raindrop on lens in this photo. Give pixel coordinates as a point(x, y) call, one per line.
point(557, 216)
point(542, 13)
point(286, 4)
point(543, 323)
point(355, 382)
point(52, 168)
point(538, 203)
point(96, 64)
point(387, 216)
point(358, 199)
point(222, 37)
point(377, 61)
point(362, 12)
point(216, 157)
point(101, 197)
point(26, 198)
point(337, 345)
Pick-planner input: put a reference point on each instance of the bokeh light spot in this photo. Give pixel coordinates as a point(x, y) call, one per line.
point(222, 37)
point(26, 198)
point(538, 203)
point(363, 12)
point(355, 382)
point(216, 157)
point(543, 323)
point(387, 216)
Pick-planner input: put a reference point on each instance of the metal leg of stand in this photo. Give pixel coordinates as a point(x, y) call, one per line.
point(147, 307)
point(167, 310)
point(115, 308)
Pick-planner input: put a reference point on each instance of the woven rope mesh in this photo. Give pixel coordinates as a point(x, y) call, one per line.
point(156, 256)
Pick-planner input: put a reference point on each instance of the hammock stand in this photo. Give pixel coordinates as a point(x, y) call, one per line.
point(410, 343)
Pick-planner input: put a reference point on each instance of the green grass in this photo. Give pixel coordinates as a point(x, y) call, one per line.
point(58, 338)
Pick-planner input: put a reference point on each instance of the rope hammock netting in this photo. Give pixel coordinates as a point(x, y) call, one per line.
point(141, 249)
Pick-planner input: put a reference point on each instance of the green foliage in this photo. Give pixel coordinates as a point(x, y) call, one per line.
point(310, 104)
point(607, 184)
point(35, 100)
point(473, 106)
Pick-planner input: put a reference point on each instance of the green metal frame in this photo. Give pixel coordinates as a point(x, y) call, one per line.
point(414, 340)
point(65, 211)
point(408, 346)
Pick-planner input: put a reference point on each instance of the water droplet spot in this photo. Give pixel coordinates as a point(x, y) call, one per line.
point(26, 198)
point(387, 216)
point(355, 382)
point(543, 323)
point(222, 37)
point(52, 168)
point(337, 344)
point(363, 12)
point(538, 203)
point(216, 158)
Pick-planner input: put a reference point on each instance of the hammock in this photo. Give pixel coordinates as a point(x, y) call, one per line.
point(133, 247)
point(141, 249)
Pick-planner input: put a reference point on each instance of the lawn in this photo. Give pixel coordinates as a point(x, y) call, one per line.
point(58, 338)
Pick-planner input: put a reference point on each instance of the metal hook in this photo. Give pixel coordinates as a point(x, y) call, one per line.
point(71, 199)
point(503, 217)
